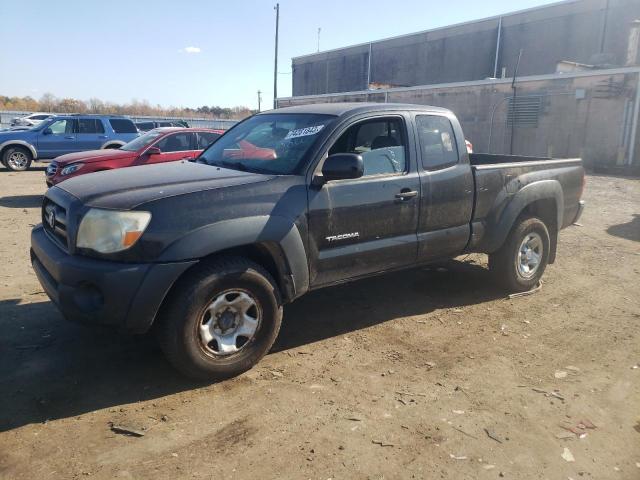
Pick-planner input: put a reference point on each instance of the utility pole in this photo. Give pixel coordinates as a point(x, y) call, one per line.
point(259, 99)
point(514, 111)
point(275, 66)
point(319, 30)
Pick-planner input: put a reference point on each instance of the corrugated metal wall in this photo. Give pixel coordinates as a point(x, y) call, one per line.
point(583, 31)
point(588, 115)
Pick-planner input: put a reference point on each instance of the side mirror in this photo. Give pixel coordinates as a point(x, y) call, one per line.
point(47, 131)
point(153, 151)
point(341, 166)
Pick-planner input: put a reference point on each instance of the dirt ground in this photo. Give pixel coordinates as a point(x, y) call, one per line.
point(431, 373)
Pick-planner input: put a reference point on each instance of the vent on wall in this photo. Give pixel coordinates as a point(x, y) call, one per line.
point(523, 111)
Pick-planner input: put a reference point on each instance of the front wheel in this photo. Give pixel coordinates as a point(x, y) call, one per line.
point(221, 319)
point(522, 259)
point(17, 159)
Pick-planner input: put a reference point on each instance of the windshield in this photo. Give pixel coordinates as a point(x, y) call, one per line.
point(270, 143)
point(141, 142)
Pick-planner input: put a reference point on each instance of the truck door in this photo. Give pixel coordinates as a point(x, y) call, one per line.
point(446, 204)
point(59, 139)
point(366, 225)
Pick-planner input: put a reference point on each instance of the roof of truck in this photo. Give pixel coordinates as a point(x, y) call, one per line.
point(354, 107)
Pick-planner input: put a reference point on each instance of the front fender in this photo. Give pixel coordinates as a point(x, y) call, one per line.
point(23, 143)
point(498, 227)
point(242, 232)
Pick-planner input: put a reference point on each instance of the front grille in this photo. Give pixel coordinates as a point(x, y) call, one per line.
point(52, 169)
point(54, 220)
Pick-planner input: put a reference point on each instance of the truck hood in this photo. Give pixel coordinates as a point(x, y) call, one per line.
point(126, 188)
point(91, 156)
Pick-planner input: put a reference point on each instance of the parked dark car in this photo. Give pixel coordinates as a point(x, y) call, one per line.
point(150, 125)
point(64, 134)
point(157, 146)
point(208, 251)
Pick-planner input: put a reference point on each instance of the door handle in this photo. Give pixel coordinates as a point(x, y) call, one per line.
point(406, 194)
point(103, 136)
point(70, 137)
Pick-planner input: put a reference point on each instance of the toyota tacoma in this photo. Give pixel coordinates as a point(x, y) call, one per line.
point(207, 252)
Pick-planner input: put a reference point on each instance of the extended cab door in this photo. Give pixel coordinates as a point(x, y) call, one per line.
point(369, 224)
point(60, 140)
point(447, 187)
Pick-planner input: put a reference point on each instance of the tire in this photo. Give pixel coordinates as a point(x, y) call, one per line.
point(220, 289)
point(516, 256)
point(17, 159)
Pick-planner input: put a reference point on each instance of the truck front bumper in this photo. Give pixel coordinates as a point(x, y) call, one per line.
point(87, 290)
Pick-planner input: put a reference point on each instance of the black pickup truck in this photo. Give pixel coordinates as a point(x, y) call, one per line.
point(285, 202)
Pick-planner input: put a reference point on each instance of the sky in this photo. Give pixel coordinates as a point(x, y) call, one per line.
point(196, 52)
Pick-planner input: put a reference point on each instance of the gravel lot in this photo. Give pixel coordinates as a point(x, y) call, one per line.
point(431, 373)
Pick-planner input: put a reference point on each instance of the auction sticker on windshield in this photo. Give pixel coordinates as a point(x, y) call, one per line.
point(303, 132)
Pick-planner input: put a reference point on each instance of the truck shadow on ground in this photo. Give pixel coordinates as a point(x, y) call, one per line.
point(51, 369)
point(629, 230)
point(21, 201)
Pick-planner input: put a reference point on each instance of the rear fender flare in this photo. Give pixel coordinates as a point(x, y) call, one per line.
point(241, 232)
point(533, 192)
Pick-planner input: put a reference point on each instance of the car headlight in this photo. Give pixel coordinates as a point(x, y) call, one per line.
point(71, 168)
point(110, 231)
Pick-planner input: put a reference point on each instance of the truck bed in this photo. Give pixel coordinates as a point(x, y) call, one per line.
point(498, 178)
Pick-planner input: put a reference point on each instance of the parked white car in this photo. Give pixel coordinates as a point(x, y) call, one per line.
point(30, 120)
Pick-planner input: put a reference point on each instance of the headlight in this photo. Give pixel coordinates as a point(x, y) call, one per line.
point(110, 231)
point(71, 168)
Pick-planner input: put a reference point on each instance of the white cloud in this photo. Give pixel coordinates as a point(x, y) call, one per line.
point(191, 49)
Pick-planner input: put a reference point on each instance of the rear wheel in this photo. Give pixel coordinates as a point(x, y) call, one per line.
point(522, 260)
point(221, 319)
point(17, 158)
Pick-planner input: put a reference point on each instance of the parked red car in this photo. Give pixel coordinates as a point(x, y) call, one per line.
point(156, 146)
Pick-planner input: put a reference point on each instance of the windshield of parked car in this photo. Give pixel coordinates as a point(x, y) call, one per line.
point(141, 142)
point(271, 143)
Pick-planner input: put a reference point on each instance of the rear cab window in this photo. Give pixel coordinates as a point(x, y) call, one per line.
point(122, 125)
point(438, 147)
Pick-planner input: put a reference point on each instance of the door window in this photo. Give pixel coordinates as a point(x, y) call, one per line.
point(122, 125)
point(437, 142)
point(381, 142)
point(62, 127)
point(90, 125)
point(177, 142)
point(205, 139)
